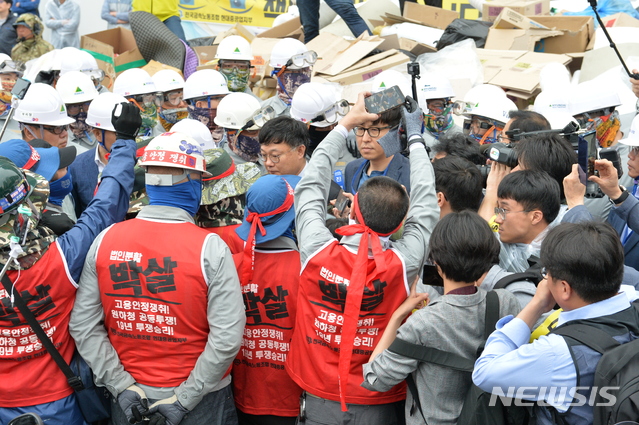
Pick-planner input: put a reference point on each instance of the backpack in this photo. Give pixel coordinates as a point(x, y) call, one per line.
point(618, 368)
point(476, 409)
point(532, 274)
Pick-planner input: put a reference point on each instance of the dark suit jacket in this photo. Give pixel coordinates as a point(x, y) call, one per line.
point(84, 172)
point(631, 248)
point(398, 169)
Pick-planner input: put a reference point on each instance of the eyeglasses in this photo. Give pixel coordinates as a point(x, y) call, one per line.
point(57, 130)
point(299, 60)
point(372, 131)
point(75, 108)
point(331, 115)
point(502, 212)
point(274, 158)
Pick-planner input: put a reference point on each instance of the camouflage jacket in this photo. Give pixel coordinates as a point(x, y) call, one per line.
point(30, 49)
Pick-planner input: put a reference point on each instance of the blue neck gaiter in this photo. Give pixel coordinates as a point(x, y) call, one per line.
point(60, 188)
point(185, 195)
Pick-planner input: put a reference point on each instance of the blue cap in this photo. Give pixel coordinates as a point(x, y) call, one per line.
point(41, 161)
point(267, 194)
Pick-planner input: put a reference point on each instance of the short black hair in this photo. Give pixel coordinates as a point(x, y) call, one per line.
point(9, 1)
point(284, 130)
point(333, 224)
point(391, 117)
point(460, 181)
point(534, 190)
point(550, 153)
point(383, 203)
point(463, 246)
point(458, 144)
point(527, 121)
point(588, 255)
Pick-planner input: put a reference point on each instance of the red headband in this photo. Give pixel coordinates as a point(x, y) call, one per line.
point(256, 222)
point(227, 173)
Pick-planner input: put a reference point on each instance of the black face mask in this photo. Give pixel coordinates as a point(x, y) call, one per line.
point(316, 138)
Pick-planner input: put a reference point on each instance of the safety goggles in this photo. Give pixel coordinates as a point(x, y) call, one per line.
point(260, 117)
point(147, 99)
point(76, 108)
point(332, 114)
point(173, 97)
point(302, 60)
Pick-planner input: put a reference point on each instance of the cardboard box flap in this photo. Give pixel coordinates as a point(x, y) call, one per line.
point(509, 19)
point(517, 39)
point(367, 72)
point(262, 48)
point(578, 33)
point(371, 59)
point(492, 9)
point(205, 53)
point(237, 29)
point(282, 30)
point(430, 16)
point(392, 19)
point(338, 54)
point(620, 20)
point(522, 74)
point(114, 49)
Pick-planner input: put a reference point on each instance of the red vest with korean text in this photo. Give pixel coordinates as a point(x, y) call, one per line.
point(28, 374)
point(313, 361)
point(261, 385)
point(154, 295)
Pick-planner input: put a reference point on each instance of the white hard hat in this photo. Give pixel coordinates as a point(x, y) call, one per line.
point(592, 96)
point(554, 105)
point(554, 75)
point(4, 57)
point(496, 109)
point(433, 87)
point(477, 94)
point(167, 80)
point(176, 150)
point(9, 65)
point(633, 134)
point(389, 78)
point(284, 50)
point(312, 99)
point(197, 130)
point(234, 47)
point(134, 81)
point(235, 110)
point(78, 60)
point(76, 87)
point(101, 109)
point(206, 82)
point(42, 105)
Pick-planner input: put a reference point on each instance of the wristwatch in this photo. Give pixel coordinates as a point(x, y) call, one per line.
point(623, 197)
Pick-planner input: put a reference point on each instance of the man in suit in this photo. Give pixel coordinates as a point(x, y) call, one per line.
point(374, 161)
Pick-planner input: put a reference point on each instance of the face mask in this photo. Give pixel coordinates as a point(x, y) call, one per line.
point(247, 148)
point(5, 98)
point(80, 127)
point(236, 79)
point(316, 138)
point(289, 82)
point(607, 127)
point(439, 120)
point(185, 195)
point(149, 115)
point(60, 189)
point(168, 117)
point(203, 115)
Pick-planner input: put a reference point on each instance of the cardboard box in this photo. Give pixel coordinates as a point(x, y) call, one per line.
point(361, 74)
point(428, 15)
point(578, 32)
point(292, 28)
point(620, 20)
point(598, 61)
point(115, 50)
point(518, 71)
point(237, 29)
point(526, 39)
point(205, 53)
point(262, 48)
point(335, 54)
point(412, 46)
point(509, 19)
point(491, 9)
point(155, 66)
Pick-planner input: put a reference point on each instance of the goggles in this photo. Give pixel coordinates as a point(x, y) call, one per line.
point(260, 117)
point(332, 114)
point(302, 60)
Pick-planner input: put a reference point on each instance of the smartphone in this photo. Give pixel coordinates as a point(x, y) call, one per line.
point(342, 202)
point(591, 140)
point(612, 155)
point(20, 88)
point(430, 275)
point(384, 100)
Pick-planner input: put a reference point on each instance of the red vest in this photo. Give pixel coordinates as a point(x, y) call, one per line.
point(228, 235)
point(314, 357)
point(260, 384)
point(154, 295)
point(28, 374)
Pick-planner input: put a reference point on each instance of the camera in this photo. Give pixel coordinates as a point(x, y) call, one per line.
point(413, 68)
point(502, 153)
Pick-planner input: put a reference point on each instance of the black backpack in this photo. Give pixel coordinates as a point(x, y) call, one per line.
point(532, 274)
point(618, 368)
point(476, 409)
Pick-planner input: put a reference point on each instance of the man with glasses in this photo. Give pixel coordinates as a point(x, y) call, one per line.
point(43, 115)
point(283, 142)
point(78, 91)
point(374, 161)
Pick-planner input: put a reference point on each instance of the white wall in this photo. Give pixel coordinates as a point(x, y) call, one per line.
point(90, 20)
